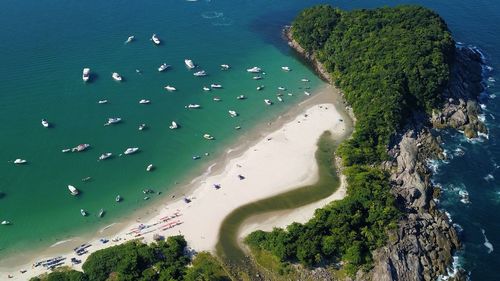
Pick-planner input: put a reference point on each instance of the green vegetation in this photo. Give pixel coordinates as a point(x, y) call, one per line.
point(161, 261)
point(389, 62)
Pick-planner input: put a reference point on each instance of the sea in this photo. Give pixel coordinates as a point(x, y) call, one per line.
point(45, 45)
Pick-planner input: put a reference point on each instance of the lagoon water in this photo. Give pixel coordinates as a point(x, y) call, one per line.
point(44, 47)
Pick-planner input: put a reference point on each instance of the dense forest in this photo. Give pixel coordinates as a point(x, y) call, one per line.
point(389, 63)
point(160, 261)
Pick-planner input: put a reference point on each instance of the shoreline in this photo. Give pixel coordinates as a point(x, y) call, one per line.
point(202, 192)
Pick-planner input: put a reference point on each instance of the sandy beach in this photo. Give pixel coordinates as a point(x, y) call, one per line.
point(276, 162)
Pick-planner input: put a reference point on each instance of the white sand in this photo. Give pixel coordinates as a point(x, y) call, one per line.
point(278, 162)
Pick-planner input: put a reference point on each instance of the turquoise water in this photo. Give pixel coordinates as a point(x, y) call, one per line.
point(45, 45)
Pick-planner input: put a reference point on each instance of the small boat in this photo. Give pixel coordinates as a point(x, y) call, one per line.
point(286, 68)
point(72, 190)
point(280, 99)
point(189, 63)
point(146, 198)
point(101, 213)
point(113, 120)
point(257, 77)
point(131, 150)
point(116, 76)
point(19, 161)
point(142, 127)
point(304, 80)
point(208, 137)
point(80, 147)
point(290, 94)
point(170, 88)
point(155, 39)
point(268, 102)
point(86, 74)
point(193, 106)
point(45, 123)
point(149, 168)
point(86, 179)
point(233, 113)
point(105, 156)
point(216, 86)
point(138, 71)
point(217, 99)
point(282, 88)
point(118, 198)
point(83, 212)
point(102, 101)
point(66, 150)
point(254, 69)
point(200, 73)
point(205, 88)
point(173, 126)
point(307, 93)
point(237, 127)
point(260, 87)
point(225, 66)
point(241, 97)
point(130, 39)
point(143, 101)
point(163, 67)
point(5, 222)
point(196, 157)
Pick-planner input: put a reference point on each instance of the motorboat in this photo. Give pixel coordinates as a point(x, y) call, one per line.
point(66, 150)
point(80, 147)
point(101, 213)
point(205, 88)
point(116, 76)
point(257, 77)
point(5, 222)
point(130, 39)
point(163, 67)
point(280, 99)
point(102, 101)
point(193, 106)
point(208, 137)
point(304, 80)
point(233, 113)
point(268, 102)
point(72, 190)
point(19, 161)
point(131, 150)
point(112, 121)
point(189, 63)
point(254, 69)
point(138, 71)
point(286, 68)
point(225, 66)
point(260, 87)
point(143, 101)
point(149, 168)
point(200, 73)
point(170, 88)
point(155, 39)
point(217, 99)
point(237, 127)
point(196, 157)
point(118, 198)
point(216, 86)
point(173, 126)
point(86, 179)
point(307, 93)
point(142, 127)
point(105, 156)
point(282, 88)
point(83, 212)
point(241, 97)
point(86, 74)
point(45, 123)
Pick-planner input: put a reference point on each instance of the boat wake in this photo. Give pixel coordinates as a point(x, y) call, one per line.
point(212, 15)
point(487, 243)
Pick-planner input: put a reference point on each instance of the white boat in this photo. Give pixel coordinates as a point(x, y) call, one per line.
point(304, 80)
point(19, 161)
point(205, 88)
point(101, 213)
point(307, 93)
point(143, 101)
point(105, 156)
point(80, 147)
point(86, 74)
point(118, 198)
point(233, 113)
point(113, 121)
point(254, 69)
point(173, 126)
point(285, 68)
point(130, 39)
point(237, 127)
point(170, 88)
point(155, 39)
point(282, 88)
point(280, 99)
point(66, 150)
point(268, 102)
point(131, 150)
point(5, 222)
point(189, 63)
point(163, 67)
point(83, 212)
point(260, 87)
point(193, 106)
point(200, 73)
point(149, 168)
point(241, 97)
point(208, 137)
point(216, 86)
point(116, 76)
point(45, 123)
point(142, 127)
point(257, 77)
point(217, 99)
point(72, 190)
point(102, 101)
point(225, 66)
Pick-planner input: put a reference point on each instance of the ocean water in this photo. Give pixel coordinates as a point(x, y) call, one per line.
point(44, 47)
